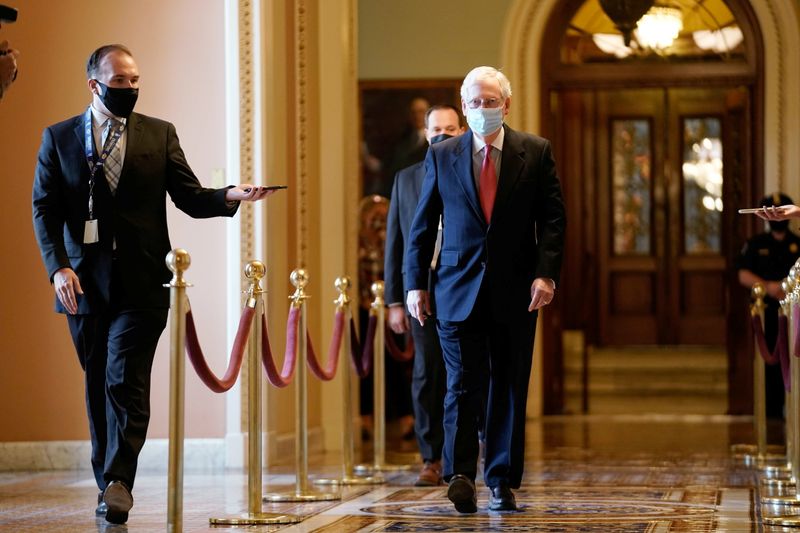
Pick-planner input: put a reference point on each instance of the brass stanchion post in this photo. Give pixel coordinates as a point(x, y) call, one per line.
point(178, 262)
point(780, 477)
point(255, 272)
point(379, 390)
point(348, 452)
point(759, 386)
point(302, 493)
point(761, 454)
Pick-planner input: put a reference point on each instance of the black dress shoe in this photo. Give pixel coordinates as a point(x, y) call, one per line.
point(117, 497)
point(101, 505)
point(502, 499)
point(461, 491)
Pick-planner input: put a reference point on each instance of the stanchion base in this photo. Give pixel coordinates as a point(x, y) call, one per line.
point(377, 479)
point(770, 460)
point(778, 483)
point(790, 501)
point(308, 496)
point(782, 521)
point(366, 470)
point(752, 449)
point(777, 471)
point(255, 519)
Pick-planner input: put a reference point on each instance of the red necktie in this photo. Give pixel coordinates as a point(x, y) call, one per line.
point(487, 184)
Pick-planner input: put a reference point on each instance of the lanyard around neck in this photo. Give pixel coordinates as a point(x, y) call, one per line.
point(95, 165)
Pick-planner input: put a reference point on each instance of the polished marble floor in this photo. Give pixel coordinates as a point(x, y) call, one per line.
point(616, 473)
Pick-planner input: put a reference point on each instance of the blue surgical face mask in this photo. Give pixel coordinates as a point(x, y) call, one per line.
point(485, 120)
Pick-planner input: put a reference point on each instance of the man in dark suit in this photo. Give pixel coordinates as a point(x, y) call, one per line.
point(99, 214)
point(428, 378)
point(502, 239)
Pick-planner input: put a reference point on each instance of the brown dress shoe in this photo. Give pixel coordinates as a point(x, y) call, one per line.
point(430, 475)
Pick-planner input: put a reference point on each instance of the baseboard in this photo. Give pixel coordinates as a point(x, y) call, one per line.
point(199, 454)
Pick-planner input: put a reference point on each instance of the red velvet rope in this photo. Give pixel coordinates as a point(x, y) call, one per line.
point(195, 353)
point(782, 347)
point(395, 351)
point(758, 328)
point(333, 351)
point(362, 357)
point(290, 355)
point(796, 324)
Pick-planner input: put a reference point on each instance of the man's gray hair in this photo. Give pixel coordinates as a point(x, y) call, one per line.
point(484, 73)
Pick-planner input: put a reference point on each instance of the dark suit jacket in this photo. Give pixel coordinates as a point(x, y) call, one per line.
point(524, 240)
point(403, 205)
point(136, 216)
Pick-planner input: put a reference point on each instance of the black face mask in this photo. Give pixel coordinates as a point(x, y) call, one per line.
point(440, 138)
point(778, 225)
point(119, 101)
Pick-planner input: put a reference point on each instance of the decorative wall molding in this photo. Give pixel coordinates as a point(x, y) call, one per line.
point(301, 106)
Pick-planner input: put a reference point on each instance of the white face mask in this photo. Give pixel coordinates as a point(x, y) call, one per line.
point(485, 120)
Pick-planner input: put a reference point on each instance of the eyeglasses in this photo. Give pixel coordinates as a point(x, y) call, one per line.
point(475, 103)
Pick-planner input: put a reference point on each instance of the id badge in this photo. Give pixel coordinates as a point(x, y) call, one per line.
point(90, 233)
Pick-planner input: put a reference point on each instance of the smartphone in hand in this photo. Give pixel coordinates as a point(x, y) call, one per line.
point(268, 188)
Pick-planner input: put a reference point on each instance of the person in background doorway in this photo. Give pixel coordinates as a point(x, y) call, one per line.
point(766, 259)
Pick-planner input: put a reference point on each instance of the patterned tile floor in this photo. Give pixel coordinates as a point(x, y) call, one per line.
point(647, 474)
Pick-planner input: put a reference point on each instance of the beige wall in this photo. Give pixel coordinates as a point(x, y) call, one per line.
point(428, 39)
point(179, 48)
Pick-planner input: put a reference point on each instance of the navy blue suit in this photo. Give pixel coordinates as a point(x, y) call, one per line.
point(482, 287)
point(124, 306)
point(428, 380)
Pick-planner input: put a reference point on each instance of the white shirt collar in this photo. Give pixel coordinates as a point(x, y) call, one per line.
point(477, 144)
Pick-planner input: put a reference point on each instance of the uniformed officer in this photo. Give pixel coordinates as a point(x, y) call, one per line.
point(766, 259)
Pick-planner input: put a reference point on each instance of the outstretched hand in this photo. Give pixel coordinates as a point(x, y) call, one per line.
point(781, 212)
point(246, 192)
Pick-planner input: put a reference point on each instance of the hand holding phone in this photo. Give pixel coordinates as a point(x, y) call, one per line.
point(267, 188)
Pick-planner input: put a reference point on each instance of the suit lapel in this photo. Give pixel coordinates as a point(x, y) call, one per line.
point(134, 126)
point(80, 133)
point(462, 165)
point(510, 170)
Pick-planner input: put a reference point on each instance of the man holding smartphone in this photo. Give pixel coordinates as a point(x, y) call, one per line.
point(99, 214)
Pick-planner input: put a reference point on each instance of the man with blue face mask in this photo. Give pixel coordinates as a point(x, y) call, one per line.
point(502, 238)
point(99, 214)
point(428, 379)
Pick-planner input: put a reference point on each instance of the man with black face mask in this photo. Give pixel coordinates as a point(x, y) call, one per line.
point(766, 259)
point(100, 218)
point(428, 378)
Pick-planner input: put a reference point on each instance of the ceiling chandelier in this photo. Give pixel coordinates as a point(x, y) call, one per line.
point(625, 13)
point(659, 27)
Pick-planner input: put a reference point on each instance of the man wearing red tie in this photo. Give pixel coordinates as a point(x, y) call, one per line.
point(502, 239)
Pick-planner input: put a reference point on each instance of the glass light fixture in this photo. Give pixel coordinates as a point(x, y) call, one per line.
point(659, 27)
point(612, 43)
point(720, 41)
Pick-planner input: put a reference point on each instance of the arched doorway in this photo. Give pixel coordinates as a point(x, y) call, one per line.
point(667, 138)
point(667, 285)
